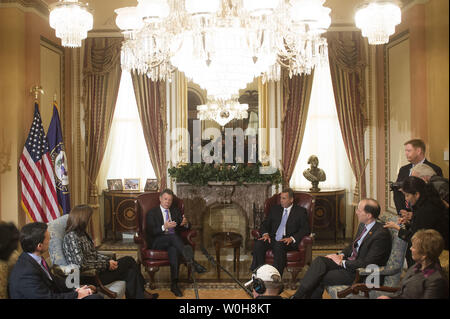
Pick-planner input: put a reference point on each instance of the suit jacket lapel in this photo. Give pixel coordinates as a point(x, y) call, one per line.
point(39, 268)
point(369, 236)
point(160, 216)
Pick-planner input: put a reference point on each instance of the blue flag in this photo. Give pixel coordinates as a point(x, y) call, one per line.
point(59, 159)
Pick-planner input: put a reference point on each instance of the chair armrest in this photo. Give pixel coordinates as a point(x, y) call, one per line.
point(109, 254)
point(383, 271)
point(256, 233)
point(64, 271)
point(361, 287)
point(188, 236)
point(306, 241)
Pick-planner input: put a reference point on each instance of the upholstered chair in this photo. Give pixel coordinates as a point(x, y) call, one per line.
point(391, 272)
point(5, 270)
point(152, 259)
point(61, 267)
point(296, 259)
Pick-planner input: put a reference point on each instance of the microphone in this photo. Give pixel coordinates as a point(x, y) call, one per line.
point(188, 254)
point(212, 261)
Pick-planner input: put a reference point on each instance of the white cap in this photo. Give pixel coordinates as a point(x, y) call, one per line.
point(265, 273)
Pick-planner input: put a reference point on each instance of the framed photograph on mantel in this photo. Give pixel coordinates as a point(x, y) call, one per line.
point(114, 184)
point(151, 185)
point(131, 184)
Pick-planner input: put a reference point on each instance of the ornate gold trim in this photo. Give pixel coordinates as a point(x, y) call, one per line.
point(387, 159)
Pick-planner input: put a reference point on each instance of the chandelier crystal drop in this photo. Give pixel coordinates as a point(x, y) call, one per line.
point(377, 20)
point(71, 20)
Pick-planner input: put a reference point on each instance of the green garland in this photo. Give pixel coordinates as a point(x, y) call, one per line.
point(200, 174)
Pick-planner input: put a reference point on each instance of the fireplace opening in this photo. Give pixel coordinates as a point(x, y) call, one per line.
point(224, 218)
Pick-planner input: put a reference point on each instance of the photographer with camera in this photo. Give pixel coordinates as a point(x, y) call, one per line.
point(415, 154)
point(428, 212)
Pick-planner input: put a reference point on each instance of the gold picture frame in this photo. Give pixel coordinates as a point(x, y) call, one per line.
point(131, 184)
point(151, 185)
point(114, 184)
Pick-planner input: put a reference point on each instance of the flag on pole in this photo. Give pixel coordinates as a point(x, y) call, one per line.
point(59, 160)
point(39, 198)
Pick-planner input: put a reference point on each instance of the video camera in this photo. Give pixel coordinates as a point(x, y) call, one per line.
point(395, 186)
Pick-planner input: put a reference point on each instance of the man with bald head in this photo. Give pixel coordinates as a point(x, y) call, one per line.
point(372, 245)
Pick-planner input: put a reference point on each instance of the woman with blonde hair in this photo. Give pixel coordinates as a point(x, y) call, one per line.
point(425, 279)
point(79, 249)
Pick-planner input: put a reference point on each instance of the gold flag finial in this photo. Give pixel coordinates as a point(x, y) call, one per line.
point(35, 90)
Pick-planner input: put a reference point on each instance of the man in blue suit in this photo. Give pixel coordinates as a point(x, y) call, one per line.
point(31, 277)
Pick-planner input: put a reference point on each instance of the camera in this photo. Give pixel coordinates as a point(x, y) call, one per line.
point(395, 186)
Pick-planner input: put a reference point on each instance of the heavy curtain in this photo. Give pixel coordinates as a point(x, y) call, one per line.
point(150, 99)
point(347, 64)
point(101, 79)
point(297, 94)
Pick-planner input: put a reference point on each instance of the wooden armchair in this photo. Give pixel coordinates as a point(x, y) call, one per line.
point(390, 273)
point(152, 259)
point(296, 259)
point(62, 268)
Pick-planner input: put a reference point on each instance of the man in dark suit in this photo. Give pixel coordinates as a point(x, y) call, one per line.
point(31, 277)
point(415, 154)
point(282, 230)
point(372, 245)
point(164, 223)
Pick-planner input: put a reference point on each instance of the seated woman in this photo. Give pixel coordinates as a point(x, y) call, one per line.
point(428, 212)
point(425, 279)
point(79, 249)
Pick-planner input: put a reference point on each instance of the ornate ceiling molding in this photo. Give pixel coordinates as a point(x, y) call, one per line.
point(37, 6)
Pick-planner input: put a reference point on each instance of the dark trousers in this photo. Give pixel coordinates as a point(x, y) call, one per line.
point(174, 246)
point(323, 272)
point(279, 250)
point(128, 270)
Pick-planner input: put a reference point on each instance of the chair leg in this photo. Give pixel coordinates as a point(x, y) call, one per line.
point(111, 294)
point(151, 273)
point(294, 272)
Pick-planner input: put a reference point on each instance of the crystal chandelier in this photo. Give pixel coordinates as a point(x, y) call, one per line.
point(71, 20)
point(222, 111)
point(223, 44)
point(377, 20)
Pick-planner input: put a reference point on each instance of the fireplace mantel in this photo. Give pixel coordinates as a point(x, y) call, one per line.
point(199, 199)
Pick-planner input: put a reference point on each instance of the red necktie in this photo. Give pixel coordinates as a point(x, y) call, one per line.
point(44, 264)
point(355, 245)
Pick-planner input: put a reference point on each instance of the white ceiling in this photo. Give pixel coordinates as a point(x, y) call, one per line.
point(342, 12)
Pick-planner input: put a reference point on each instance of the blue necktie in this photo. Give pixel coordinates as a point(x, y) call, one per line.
point(170, 230)
point(282, 226)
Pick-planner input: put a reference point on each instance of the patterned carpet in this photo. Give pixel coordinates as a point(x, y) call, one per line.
point(209, 280)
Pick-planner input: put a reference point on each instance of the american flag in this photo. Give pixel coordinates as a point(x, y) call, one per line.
point(39, 198)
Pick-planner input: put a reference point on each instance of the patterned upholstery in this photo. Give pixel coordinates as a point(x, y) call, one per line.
point(5, 270)
point(57, 229)
point(393, 269)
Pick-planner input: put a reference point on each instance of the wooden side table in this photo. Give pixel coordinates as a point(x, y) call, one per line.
point(329, 212)
point(227, 240)
point(120, 214)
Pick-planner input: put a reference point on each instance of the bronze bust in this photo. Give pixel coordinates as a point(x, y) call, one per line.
point(314, 174)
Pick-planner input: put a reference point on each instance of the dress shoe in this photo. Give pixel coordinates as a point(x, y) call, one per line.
point(176, 291)
point(199, 269)
point(148, 295)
